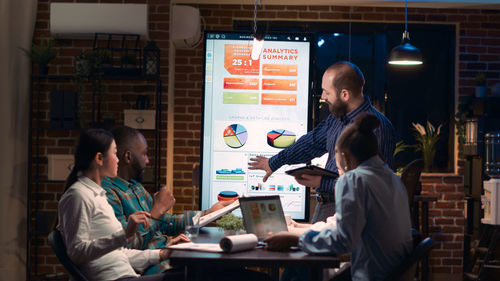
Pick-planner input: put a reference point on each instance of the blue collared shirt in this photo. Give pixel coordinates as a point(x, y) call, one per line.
point(323, 138)
point(373, 222)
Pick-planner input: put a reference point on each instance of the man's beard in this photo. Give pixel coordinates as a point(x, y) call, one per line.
point(138, 170)
point(338, 108)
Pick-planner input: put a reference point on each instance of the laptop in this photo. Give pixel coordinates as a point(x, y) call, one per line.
point(262, 214)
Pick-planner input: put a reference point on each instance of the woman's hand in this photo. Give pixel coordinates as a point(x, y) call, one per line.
point(181, 238)
point(134, 221)
point(282, 241)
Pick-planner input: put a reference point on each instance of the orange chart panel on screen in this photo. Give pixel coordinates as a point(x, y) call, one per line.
point(237, 60)
point(279, 99)
point(241, 83)
point(279, 69)
point(279, 84)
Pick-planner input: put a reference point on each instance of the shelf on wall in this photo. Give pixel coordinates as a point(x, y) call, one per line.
point(104, 77)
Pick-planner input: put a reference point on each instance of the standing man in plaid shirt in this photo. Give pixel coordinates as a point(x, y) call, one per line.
point(126, 195)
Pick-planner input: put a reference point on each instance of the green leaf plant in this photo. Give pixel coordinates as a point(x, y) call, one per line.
point(426, 138)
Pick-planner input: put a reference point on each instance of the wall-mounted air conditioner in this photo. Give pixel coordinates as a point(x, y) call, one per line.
point(82, 20)
point(186, 32)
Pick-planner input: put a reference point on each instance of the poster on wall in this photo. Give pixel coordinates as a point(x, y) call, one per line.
point(253, 107)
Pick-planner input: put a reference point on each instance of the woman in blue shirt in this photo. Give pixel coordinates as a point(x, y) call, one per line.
point(373, 217)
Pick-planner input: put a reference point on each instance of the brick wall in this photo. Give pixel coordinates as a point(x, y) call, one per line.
point(446, 222)
point(479, 51)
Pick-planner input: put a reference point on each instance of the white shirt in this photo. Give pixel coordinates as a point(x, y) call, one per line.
point(94, 238)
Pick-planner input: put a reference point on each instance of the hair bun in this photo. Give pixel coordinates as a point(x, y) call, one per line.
point(366, 122)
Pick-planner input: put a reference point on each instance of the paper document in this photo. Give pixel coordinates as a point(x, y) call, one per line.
point(219, 213)
point(202, 247)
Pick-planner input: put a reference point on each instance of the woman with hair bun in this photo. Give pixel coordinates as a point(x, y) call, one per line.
point(94, 238)
point(372, 213)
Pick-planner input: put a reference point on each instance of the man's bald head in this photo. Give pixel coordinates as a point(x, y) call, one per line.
point(347, 76)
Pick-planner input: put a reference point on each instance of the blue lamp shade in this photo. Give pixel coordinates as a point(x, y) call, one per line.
point(405, 53)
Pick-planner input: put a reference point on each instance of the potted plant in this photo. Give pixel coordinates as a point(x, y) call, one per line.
point(42, 54)
point(481, 88)
point(400, 147)
point(105, 59)
point(87, 70)
point(426, 142)
point(129, 60)
point(464, 111)
point(230, 223)
point(108, 120)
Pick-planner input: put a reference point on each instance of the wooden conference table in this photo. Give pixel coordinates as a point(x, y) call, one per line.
point(194, 261)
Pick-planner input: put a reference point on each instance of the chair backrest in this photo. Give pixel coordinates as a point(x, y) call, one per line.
point(57, 244)
point(411, 178)
point(406, 270)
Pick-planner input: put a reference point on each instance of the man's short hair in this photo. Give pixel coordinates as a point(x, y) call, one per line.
point(347, 76)
point(124, 137)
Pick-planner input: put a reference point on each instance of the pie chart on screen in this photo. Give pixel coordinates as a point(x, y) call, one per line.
point(235, 135)
point(280, 138)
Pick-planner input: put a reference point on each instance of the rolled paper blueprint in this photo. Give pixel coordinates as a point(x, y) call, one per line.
point(236, 243)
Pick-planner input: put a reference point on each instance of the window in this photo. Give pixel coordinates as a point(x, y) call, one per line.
point(405, 95)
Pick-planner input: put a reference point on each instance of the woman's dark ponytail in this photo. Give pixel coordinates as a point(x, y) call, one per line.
point(359, 137)
point(89, 144)
point(72, 178)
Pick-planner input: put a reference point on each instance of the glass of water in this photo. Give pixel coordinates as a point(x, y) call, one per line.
point(192, 223)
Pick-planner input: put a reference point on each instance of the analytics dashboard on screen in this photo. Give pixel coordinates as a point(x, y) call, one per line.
point(253, 107)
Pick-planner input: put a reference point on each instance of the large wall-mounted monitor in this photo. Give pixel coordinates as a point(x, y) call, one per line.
point(250, 108)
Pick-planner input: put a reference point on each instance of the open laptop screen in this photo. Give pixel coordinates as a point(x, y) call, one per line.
point(262, 214)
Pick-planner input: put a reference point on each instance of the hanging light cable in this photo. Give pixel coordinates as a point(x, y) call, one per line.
point(350, 24)
point(405, 53)
point(258, 40)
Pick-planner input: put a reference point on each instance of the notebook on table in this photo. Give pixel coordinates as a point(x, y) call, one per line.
point(262, 215)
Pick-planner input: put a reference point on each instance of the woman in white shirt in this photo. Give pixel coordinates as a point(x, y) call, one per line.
point(94, 238)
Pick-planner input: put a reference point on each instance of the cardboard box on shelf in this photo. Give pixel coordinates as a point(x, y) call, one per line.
point(60, 165)
point(139, 119)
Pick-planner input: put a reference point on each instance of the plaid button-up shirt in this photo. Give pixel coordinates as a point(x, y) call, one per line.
point(127, 198)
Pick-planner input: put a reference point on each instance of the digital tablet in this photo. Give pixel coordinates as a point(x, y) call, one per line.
point(312, 170)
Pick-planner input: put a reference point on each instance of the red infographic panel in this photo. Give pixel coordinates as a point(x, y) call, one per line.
point(279, 69)
point(279, 99)
point(237, 60)
point(279, 84)
point(241, 83)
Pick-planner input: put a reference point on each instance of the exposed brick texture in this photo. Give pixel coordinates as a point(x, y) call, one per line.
point(478, 50)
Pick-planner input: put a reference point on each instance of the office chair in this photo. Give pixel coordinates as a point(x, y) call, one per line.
point(411, 179)
point(57, 244)
point(406, 270)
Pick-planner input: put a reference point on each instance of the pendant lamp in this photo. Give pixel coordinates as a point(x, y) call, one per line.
point(405, 53)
